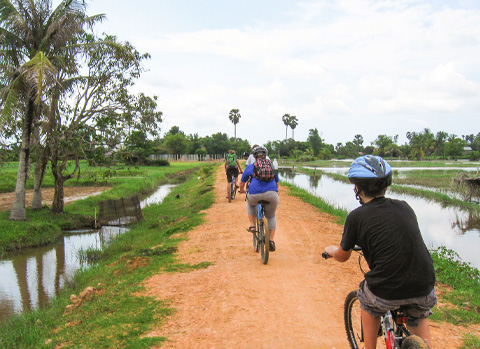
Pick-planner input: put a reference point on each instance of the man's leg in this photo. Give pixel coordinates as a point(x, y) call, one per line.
point(371, 325)
point(422, 330)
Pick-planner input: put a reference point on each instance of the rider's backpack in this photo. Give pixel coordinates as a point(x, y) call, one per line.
point(263, 170)
point(231, 161)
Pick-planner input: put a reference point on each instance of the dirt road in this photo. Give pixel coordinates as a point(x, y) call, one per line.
point(71, 194)
point(295, 301)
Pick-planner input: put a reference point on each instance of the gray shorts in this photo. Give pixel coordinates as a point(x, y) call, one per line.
point(415, 308)
point(270, 208)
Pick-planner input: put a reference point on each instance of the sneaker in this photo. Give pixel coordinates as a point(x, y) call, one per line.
point(271, 246)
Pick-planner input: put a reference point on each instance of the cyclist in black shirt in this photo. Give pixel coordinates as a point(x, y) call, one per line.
point(401, 268)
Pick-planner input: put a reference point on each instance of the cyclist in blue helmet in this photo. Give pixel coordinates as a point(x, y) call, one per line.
point(401, 268)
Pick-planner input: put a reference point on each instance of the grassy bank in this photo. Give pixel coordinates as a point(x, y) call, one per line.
point(116, 316)
point(44, 227)
point(458, 283)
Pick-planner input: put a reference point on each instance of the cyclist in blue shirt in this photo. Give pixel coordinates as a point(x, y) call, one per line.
point(401, 268)
point(261, 190)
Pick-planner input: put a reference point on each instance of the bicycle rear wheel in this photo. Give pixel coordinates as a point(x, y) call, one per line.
point(256, 244)
point(414, 342)
point(230, 193)
point(264, 242)
point(353, 320)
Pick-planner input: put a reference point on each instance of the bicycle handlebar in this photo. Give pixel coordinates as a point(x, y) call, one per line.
point(325, 255)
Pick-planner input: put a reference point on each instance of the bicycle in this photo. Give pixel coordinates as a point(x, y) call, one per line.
point(393, 323)
point(261, 236)
point(232, 190)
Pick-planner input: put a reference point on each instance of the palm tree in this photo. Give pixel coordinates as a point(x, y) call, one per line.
point(33, 42)
point(234, 117)
point(286, 121)
point(293, 124)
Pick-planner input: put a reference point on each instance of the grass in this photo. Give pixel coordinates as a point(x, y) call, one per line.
point(117, 315)
point(462, 294)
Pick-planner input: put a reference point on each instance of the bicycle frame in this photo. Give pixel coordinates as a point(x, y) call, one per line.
point(263, 234)
point(393, 323)
point(232, 190)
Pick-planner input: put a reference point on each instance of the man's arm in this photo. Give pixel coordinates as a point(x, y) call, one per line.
point(338, 253)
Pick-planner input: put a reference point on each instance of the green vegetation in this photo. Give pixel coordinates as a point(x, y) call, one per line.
point(44, 226)
point(117, 316)
point(461, 296)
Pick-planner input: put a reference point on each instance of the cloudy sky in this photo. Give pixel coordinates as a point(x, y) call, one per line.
point(345, 67)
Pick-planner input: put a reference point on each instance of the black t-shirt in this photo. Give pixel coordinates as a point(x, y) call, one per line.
point(387, 230)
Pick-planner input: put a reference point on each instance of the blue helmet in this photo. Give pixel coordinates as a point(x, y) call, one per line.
point(370, 172)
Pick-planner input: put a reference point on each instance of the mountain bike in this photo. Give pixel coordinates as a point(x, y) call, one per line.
point(232, 190)
point(261, 236)
point(393, 323)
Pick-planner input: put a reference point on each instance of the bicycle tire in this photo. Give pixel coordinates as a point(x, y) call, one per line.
point(230, 194)
point(414, 342)
point(264, 242)
point(353, 320)
point(256, 245)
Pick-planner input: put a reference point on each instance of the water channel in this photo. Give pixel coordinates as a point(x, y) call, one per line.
point(453, 228)
point(31, 278)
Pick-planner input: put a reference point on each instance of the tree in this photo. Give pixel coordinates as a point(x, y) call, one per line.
point(454, 147)
point(439, 143)
point(358, 142)
point(217, 143)
point(286, 121)
point(33, 39)
point(98, 102)
point(234, 117)
point(315, 141)
point(176, 143)
point(293, 124)
point(382, 142)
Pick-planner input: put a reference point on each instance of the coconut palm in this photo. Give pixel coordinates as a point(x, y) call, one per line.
point(234, 117)
point(286, 121)
point(34, 44)
point(293, 124)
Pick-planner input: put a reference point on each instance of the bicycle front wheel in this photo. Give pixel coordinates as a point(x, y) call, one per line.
point(414, 342)
point(353, 320)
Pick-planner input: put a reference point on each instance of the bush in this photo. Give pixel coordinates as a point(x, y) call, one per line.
point(474, 155)
point(158, 162)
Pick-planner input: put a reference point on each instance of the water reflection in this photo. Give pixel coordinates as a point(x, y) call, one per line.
point(441, 226)
point(33, 277)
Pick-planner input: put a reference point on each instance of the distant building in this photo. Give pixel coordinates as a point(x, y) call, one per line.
point(467, 150)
